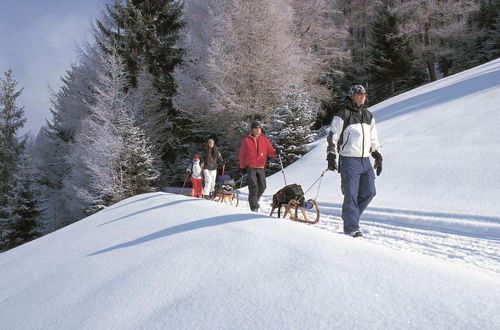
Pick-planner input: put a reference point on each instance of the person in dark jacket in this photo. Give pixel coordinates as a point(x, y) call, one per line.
point(210, 156)
point(254, 150)
point(354, 136)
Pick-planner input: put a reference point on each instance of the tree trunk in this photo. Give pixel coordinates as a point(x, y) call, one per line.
point(431, 68)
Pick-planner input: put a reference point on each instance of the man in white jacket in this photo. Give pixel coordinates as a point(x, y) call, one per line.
point(354, 136)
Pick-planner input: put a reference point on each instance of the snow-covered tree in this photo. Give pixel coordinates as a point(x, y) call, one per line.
point(23, 209)
point(290, 128)
point(145, 100)
point(145, 34)
point(12, 118)
point(392, 67)
point(137, 162)
point(53, 143)
point(487, 23)
point(429, 24)
point(323, 36)
point(109, 159)
point(248, 58)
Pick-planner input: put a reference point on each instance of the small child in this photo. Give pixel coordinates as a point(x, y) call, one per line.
point(196, 177)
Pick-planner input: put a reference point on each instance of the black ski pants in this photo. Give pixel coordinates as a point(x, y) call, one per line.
point(256, 186)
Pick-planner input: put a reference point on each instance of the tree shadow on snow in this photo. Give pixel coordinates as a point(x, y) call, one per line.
point(149, 196)
point(202, 223)
point(150, 209)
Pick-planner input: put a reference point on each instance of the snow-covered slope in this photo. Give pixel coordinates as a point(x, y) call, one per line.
point(430, 256)
point(163, 261)
point(439, 192)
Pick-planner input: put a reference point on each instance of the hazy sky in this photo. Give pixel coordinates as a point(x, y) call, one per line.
point(39, 40)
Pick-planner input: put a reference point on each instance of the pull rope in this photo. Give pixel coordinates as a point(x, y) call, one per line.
point(314, 183)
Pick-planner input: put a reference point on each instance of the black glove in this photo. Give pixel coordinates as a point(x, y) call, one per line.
point(278, 151)
point(243, 171)
point(332, 161)
point(378, 162)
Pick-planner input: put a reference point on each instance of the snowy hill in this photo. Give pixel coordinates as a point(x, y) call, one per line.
point(430, 257)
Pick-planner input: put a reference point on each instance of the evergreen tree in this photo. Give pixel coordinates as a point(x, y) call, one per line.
point(392, 68)
point(55, 140)
point(145, 33)
point(429, 25)
point(11, 120)
point(290, 128)
point(137, 162)
point(109, 159)
point(23, 209)
point(487, 20)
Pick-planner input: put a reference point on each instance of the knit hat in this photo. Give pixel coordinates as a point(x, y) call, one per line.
point(355, 89)
point(255, 124)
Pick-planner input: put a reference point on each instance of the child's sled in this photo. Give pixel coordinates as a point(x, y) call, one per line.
point(224, 191)
point(292, 198)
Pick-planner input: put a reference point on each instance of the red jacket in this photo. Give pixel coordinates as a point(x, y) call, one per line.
point(254, 151)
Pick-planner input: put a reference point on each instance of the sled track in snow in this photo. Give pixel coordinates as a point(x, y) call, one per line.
point(471, 241)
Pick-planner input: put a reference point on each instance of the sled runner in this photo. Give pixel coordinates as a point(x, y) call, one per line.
point(292, 198)
point(225, 192)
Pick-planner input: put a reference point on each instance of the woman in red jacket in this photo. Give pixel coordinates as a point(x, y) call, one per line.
point(254, 150)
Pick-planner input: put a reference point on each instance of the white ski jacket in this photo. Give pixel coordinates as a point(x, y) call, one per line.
point(352, 132)
point(195, 169)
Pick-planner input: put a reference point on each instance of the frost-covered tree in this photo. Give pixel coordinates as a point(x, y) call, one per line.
point(23, 209)
point(392, 67)
point(145, 34)
point(247, 58)
point(290, 128)
point(109, 156)
point(323, 35)
point(12, 119)
point(145, 100)
point(137, 162)
point(487, 21)
point(53, 143)
point(430, 24)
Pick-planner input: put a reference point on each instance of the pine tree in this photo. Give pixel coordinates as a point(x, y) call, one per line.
point(109, 159)
point(392, 67)
point(54, 141)
point(290, 128)
point(145, 34)
point(11, 120)
point(487, 20)
point(23, 209)
point(137, 162)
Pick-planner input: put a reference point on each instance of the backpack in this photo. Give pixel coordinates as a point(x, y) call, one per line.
point(287, 193)
point(225, 182)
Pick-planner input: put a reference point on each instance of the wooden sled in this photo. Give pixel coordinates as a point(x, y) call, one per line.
point(293, 207)
point(227, 196)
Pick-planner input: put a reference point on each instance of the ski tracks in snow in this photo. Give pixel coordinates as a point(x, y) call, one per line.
point(470, 240)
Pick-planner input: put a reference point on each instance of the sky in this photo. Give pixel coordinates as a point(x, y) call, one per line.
point(429, 257)
point(39, 41)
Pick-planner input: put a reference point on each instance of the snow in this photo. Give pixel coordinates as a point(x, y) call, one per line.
point(430, 256)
